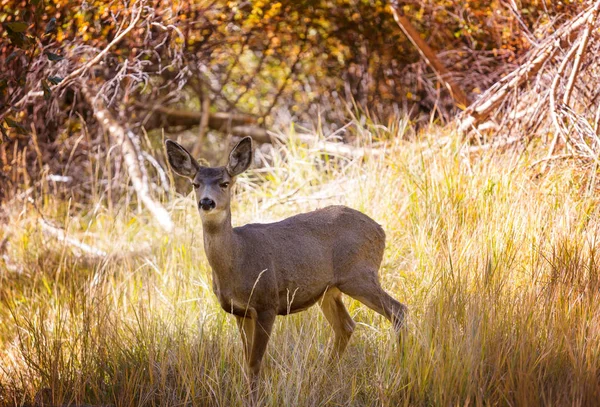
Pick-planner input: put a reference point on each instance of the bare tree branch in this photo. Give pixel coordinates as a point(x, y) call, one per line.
point(580, 52)
point(137, 10)
point(481, 109)
point(429, 56)
point(132, 158)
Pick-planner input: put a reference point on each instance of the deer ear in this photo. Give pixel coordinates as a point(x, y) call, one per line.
point(181, 160)
point(240, 157)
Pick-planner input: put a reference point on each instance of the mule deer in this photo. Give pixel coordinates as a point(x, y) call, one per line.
point(260, 271)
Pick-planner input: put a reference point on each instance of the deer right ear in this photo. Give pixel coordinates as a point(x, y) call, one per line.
point(181, 160)
point(240, 157)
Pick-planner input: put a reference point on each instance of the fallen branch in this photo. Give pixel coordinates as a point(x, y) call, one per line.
point(580, 51)
point(132, 157)
point(346, 150)
point(258, 134)
point(492, 146)
point(170, 117)
point(481, 109)
point(238, 125)
point(79, 246)
point(551, 158)
point(340, 149)
point(558, 126)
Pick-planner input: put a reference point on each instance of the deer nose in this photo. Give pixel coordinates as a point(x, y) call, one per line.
point(207, 204)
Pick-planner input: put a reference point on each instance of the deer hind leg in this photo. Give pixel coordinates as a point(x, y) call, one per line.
point(246, 328)
point(339, 319)
point(365, 287)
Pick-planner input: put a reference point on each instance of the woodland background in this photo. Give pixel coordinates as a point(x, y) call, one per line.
point(238, 68)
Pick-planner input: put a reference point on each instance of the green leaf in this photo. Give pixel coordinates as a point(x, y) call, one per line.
point(55, 80)
point(54, 57)
point(47, 91)
point(51, 26)
point(15, 125)
point(12, 56)
point(17, 26)
point(11, 122)
point(18, 39)
point(4, 135)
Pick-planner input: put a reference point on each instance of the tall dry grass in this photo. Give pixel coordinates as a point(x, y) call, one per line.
point(498, 267)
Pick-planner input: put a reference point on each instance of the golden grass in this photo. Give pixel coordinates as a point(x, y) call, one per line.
point(498, 268)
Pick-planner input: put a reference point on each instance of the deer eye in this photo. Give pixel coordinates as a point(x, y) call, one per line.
point(224, 185)
point(195, 185)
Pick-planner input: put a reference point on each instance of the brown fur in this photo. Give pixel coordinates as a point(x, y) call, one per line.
point(263, 270)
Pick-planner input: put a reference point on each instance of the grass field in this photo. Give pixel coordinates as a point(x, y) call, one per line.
point(497, 264)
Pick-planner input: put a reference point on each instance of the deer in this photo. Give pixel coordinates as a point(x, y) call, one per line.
point(260, 271)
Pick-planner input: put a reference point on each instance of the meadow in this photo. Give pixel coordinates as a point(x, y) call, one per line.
point(496, 259)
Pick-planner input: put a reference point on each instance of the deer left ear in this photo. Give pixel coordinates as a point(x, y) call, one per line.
point(240, 157)
point(181, 160)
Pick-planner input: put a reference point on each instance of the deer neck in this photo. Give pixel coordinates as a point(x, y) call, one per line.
point(220, 244)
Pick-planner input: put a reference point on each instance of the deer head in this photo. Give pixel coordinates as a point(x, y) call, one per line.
point(211, 184)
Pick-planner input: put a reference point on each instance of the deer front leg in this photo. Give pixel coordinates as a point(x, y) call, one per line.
point(246, 328)
point(263, 325)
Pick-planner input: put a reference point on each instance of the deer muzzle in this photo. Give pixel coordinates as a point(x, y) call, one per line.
point(206, 204)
